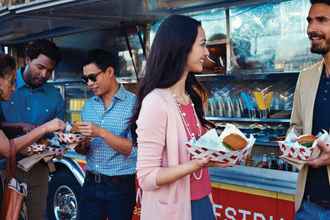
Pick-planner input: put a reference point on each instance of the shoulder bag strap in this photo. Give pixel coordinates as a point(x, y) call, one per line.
point(11, 161)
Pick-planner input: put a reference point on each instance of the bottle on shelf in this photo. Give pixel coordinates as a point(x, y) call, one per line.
point(273, 162)
point(288, 167)
point(264, 162)
point(280, 164)
point(248, 160)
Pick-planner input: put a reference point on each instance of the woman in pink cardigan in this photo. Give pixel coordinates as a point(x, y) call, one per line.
point(169, 112)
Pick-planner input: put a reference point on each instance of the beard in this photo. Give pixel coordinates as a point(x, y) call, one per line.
point(33, 82)
point(318, 49)
point(321, 47)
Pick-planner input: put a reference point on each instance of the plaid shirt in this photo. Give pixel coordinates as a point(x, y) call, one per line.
point(102, 158)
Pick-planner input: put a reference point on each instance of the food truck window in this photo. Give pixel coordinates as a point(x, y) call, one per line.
point(213, 21)
point(271, 37)
point(132, 60)
point(214, 24)
point(75, 46)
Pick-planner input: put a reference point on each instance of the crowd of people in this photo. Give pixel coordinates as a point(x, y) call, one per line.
point(143, 136)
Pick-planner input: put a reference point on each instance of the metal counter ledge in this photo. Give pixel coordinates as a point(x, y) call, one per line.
point(259, 178)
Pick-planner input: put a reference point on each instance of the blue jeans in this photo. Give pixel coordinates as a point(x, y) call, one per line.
point(110, 199)
point(202, 209)
point(311, 211)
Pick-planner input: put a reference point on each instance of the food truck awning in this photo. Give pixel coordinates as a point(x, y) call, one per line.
point(178, 6)
point(51, 18)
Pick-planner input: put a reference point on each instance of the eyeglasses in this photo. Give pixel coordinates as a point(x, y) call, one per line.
point(92, 77)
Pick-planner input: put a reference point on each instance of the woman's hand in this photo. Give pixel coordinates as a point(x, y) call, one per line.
point(218, 164)
point(26, 127)
point(201, 162)
point(206, 162)
point(54, 125)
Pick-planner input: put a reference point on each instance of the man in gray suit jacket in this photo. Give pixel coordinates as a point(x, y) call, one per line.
point(311, 114)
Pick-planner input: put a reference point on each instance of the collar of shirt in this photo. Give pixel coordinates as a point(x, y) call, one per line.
point(21, 83)
point(324, 74)
point(120, 95)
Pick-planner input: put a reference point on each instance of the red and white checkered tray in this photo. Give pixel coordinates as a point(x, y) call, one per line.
point(210, 145)
point(40, 148)
point(71, 139)
point(292, 149)
point(36, 148)
point(298, 151)
point(231, 157)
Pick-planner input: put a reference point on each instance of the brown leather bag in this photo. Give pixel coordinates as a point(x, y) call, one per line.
point(14, 192)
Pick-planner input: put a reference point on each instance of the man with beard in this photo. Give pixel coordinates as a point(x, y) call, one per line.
point(311, 115)
point(33, 103)
point(109, 187)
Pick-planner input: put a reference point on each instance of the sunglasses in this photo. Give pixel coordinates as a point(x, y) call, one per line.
point(92, 77)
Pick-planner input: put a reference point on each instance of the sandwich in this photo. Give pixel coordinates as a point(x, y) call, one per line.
point(43, 141)
point(75, 129)
point(234, 142)
point(306, 140)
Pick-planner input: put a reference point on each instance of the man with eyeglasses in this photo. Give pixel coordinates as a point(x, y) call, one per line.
point(109, 187)
point(33, 103)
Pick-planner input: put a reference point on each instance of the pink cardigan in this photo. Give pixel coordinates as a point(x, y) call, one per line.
point(161, 143)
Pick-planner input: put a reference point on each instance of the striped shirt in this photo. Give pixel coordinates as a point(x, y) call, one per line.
point(101, 157)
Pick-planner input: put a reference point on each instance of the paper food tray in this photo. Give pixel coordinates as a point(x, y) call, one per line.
point(290, 148)
point(210, 145)
point(70, 139)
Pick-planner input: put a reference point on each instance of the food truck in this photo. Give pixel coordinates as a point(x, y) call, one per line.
point(257, 49)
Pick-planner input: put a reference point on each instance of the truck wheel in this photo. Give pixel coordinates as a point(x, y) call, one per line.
point(63, 196)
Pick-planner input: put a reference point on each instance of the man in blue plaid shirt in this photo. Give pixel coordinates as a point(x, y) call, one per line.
point(109, 187)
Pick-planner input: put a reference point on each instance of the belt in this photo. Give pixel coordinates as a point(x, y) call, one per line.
point(100, 178)
point(322, 203)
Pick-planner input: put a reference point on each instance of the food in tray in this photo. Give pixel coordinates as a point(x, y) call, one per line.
point(234, 142)
point(230, 147)
point(75, 128)
point(71, 128)
point(43, 141)
point(301, 148)
point(306, 140)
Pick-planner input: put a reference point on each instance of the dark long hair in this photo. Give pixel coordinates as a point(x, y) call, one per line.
point(327, 2)
point(7, 64)
point(167, 60)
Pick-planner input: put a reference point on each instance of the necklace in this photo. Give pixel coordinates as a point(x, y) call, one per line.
point(182, 99)
point(190, 133)
point(183, 115)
